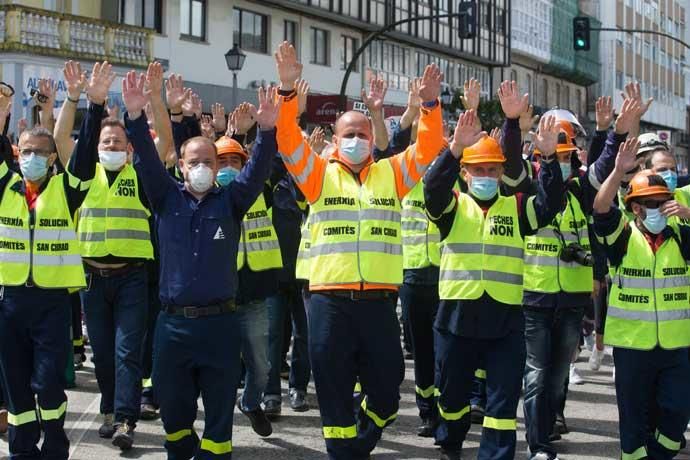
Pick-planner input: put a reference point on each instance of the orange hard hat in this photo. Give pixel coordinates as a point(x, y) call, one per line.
point(567, 127)
point(486, 150)
point(229, 146)
point(646, 183)
point(565, 142)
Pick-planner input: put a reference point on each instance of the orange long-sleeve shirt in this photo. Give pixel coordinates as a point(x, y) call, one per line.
point(308, 168)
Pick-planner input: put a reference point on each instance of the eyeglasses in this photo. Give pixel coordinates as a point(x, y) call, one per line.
point(41, 153)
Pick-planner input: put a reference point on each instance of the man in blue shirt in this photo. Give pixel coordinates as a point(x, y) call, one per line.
point(196, 345)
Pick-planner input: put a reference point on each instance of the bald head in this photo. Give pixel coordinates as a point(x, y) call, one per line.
point(353, 124)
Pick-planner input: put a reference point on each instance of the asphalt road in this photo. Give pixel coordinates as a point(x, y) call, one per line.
point(591, 416)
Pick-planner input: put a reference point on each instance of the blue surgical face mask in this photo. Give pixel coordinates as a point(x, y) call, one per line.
point(655, 221)
point(354, 150)
point(483, 188)
point(566, 170)
point(227, 175)
point(671, 178)
point(33, 167)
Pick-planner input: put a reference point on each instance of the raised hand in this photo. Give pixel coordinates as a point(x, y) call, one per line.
point(269, 108)
point(134, 93)
point(512, 103)
point(206, 124)
point(102, 76)
point(377, 93)
point(546, 138)
point(289, 69)
point(413, 100)
point(471, 91)
point(74, 78)
point(244, 118)
point(317, 140)
point(627, 153)
point(497, 135)
point(632, 91)
point(46, 87)
point(154, 79)
point(302, 93)
point(628, 118)
point(430, 87)
point(604, 112)
point(674, 209)
point(527, 120)
point(192, 105)
point(175, 93)
point(467, 132)
point(231, 127)
point(218, 111)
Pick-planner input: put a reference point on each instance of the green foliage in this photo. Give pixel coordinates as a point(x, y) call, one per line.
point(490, 112)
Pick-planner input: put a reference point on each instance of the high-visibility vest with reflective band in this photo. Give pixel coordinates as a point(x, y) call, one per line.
point(544, 271)
point(682, 196)
point(649, 299)
point(483, 254)
point(420, 237)
point(43, 246)
point(355, 229)
point(259, 242)
point(112, 220)
point(302, 265)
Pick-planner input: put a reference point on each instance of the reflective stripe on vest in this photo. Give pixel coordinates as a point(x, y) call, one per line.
point(259, 242)
point(544, 271)
point(483, 254)
point(112, 220)
point(302, 265)
point(649, 299)
point(420, 237)
point(355, 229)
point(48, 252)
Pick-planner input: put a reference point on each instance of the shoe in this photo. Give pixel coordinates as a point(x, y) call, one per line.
point(575, 377)
point(555, 435)
point(260, 424)
point(560, 426)
point(589, 342)
point(124, 436)
point(298, 401)
point(450, 454)
point(543, 456)
point(426, 429)
point(3, 421)
point(79, 361)
point(284, 371)
point(595, 359)
point(148, 412)
point(107, 429)
point(273, 408)
point(476, 414)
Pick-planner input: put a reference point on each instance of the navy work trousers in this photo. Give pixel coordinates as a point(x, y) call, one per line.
point(421, 303)
point(192, 357)
point(350, 339)
point(457, 358)
point(34, 349)
point(116, 310)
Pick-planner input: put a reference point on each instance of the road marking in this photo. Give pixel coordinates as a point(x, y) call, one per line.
point(83, 425)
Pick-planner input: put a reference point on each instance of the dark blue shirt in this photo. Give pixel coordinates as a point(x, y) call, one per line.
point(198, 239)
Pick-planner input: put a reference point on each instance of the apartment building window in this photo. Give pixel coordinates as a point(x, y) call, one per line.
point(619, 80)
point(142, 13)
point(348, 47)
point(578, 102)
point(351, 8)
point(558, 94)
point(290, 32)
point(566, 97)
point(319, 46)
point(193, 19)
point(529, 84)
point(250, 30)
point(544, 92)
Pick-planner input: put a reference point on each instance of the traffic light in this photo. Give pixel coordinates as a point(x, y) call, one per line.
point(467, 21)
point(581, 32)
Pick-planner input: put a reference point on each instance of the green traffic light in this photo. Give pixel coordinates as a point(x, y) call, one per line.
point(580, 43)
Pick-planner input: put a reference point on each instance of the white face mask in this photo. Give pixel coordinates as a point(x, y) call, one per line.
point(200, 178)
point(354, 150)
point(112, 160)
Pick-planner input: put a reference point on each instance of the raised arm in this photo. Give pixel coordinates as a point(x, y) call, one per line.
point(632, 91)
point(374, 102)
point(249, 184)
point(304, 165)
point(161, 121)
point(45, 99)
point(76, 82)
point(513, 105)
point(410, 165)
point(625, 161)
point(155, 180)
point(413, 105)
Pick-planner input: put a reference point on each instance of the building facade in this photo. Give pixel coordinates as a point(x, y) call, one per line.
point(658, 63)
point(190, 37)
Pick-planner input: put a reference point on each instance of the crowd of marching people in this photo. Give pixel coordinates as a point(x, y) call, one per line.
point(198, 248)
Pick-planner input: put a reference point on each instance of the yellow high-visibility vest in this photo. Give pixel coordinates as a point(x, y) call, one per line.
point(259, 245)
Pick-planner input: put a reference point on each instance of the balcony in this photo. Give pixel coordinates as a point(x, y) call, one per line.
point(35, 31)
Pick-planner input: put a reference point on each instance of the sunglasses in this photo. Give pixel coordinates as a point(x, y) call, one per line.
point(652, 204)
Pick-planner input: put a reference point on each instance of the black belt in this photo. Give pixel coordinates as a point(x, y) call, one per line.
point(193, 312)
point(110, 272)
point(358, 295)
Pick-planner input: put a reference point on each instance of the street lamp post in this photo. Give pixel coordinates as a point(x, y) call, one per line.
point(234, 58)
